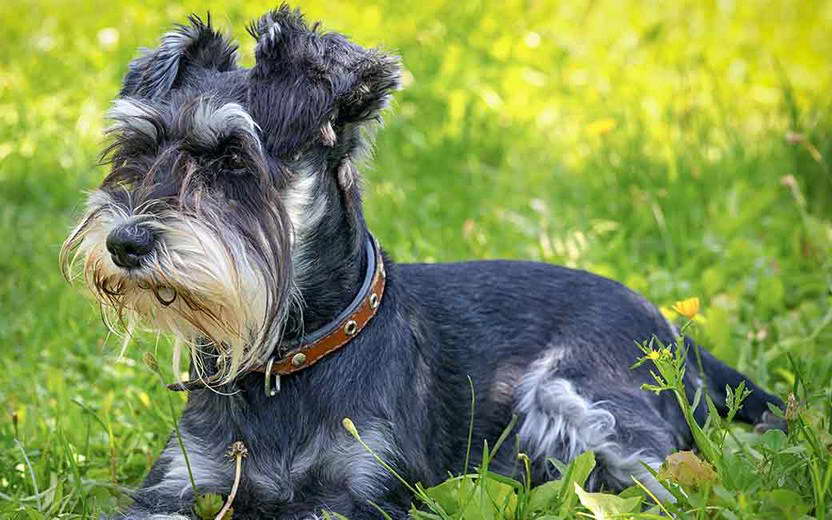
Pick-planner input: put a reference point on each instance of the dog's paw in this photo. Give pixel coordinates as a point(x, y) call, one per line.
point(769, 421)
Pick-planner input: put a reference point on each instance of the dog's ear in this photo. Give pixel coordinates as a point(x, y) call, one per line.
point(180, 52)
point(374, 77)
point(308, 85)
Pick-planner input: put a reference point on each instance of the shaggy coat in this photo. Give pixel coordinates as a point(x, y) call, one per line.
point(232, 219)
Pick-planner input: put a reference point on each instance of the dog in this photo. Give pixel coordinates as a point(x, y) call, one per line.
point(231, 218)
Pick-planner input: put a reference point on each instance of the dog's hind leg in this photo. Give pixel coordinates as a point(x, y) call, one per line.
point(622, 428)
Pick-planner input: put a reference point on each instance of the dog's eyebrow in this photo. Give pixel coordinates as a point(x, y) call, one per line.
point(211, 123)
point(129, 114)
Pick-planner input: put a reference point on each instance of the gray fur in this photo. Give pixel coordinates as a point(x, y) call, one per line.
point(213, 123)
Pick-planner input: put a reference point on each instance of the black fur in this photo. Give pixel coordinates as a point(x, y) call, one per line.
point(188, 47)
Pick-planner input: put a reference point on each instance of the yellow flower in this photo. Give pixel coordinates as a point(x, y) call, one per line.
point(601, 126)
point(654, 355)
point(688, 307)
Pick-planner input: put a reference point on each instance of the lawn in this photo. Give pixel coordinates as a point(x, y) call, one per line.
point(682, 148)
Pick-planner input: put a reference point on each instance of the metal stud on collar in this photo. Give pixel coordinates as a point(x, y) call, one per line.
point(373, 301)
point(351, 328)
point(299, 359)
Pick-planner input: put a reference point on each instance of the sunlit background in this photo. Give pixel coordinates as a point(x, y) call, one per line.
point(682, 148)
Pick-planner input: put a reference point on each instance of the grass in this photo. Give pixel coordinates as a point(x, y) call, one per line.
point(683, 148)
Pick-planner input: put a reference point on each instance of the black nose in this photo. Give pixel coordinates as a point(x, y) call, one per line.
point(129, 244)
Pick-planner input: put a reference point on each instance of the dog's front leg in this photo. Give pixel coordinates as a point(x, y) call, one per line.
point(158, 499)
point(168, 491)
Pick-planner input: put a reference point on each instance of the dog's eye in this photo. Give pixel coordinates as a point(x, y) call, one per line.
point(235, 164)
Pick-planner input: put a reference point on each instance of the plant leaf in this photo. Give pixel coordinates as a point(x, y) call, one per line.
point(544, 496)
point(687, 469)
point(577, 473)
point(603, 505)
point(208, 505)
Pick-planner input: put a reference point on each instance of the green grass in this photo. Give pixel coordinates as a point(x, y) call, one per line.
point(683, 148)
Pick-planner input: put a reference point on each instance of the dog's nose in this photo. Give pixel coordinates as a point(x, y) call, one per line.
point(129, 244)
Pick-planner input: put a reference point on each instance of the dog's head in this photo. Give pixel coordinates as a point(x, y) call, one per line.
point(213, 176)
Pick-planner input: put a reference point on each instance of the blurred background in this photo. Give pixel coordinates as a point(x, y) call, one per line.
point(682, 148)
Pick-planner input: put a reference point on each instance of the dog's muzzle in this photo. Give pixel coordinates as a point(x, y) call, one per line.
point(129, 244)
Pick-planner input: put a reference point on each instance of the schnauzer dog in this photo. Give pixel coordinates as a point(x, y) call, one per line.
point(232, 219)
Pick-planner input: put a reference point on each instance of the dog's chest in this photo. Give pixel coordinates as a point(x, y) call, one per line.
point(328, 460)
point(297, 452)
point(290, 473)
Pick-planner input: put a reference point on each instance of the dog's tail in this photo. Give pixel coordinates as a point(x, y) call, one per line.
point(717, 375)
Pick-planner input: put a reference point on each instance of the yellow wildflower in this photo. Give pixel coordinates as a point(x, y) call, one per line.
point(601, 126)
point(654, 355)
point(688, 307)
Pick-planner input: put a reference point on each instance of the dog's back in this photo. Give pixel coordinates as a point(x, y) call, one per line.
point(555, 346)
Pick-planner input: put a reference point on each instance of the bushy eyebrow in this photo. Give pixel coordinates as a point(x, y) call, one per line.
point(128, 115)
point(210, 123)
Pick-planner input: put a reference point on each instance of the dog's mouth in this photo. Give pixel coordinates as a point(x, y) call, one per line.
point(120, 280)
point(140, 291)
point(118, 286)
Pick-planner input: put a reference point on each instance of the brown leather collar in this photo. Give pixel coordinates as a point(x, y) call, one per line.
point(310, 348)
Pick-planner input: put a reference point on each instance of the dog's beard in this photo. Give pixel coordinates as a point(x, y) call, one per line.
point(208, 284)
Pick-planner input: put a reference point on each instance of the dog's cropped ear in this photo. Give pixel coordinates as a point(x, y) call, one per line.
point(373, 76)
point(308, 86)
point(180, 52)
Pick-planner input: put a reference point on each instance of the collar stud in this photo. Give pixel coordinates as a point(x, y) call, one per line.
point(351, 328)
point(299, 359)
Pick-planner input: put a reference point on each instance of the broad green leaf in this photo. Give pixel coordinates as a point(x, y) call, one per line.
point(577, 473)
point(582, 466)
point(35, 515)
point(739, 473)
point(474, 497)
point(451, 494)
point(544, 496)
point(495, 497)
point(773, 441)
point(788, 504)
point(603, 505)
point(208, 505)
